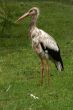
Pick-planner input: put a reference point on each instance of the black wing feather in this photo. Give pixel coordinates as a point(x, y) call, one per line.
point(55, 55)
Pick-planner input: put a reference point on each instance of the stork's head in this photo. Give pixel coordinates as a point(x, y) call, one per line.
point(32, 12)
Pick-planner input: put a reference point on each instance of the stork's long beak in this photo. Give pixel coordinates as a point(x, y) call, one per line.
point(22, 17)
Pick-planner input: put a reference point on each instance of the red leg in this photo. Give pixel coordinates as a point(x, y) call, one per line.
point(42, 70)
point(47, 70)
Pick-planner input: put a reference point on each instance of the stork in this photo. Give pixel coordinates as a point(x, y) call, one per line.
point(44, 45)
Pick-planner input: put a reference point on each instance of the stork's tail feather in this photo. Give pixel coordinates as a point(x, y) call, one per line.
point(59, 65)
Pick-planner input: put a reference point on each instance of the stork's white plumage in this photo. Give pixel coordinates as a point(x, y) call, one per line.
point(43, 44)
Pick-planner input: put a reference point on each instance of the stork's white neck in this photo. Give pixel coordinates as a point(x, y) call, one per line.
point(33, 22)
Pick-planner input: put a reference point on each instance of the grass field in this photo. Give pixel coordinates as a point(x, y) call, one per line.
point(20, 66)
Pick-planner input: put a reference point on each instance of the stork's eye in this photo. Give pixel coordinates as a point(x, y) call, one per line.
point(31, 11)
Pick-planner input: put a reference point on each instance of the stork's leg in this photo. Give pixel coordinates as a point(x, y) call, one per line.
point(42, 70)
point(47, 71)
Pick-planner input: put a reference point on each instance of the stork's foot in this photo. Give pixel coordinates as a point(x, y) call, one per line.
point(40, 83)
point(48, 82)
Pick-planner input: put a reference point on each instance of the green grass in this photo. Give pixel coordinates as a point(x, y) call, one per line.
point(20, 66)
